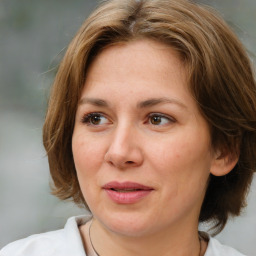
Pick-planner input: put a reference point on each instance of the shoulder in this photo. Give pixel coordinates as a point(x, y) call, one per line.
point(215, 248)
point(41, 244)
point(61, 242)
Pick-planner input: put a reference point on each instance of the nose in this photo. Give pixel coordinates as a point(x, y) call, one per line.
point(124, 149)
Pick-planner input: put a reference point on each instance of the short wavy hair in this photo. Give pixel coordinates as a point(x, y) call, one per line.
point(220, 76)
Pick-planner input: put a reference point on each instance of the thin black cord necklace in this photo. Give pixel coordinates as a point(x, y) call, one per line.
point(96, 253)
point(94, 250)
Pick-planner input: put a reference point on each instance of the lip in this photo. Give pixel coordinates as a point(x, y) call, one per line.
point(126, 192)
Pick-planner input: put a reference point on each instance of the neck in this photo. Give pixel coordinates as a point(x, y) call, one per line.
point(167, 242)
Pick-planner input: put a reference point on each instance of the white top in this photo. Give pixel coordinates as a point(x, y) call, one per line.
point(67, 242)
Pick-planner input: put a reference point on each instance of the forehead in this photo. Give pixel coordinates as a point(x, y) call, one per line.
point(142, 59)
point(134, 72)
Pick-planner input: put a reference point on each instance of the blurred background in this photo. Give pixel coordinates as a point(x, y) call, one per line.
point(33, 38)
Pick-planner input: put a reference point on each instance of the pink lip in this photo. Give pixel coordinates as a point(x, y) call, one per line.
point(125, 196)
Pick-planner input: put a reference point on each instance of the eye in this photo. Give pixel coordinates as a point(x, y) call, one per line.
point(160, 119)
point(95, 119)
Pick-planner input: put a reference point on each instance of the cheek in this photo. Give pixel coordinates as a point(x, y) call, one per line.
point(183, 165)
point(86, 159)
point(86, 153)
point(184, 158)
point(172, 152)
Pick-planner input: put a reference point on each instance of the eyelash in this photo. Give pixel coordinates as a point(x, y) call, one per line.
point(168, 118)
point(87, 118)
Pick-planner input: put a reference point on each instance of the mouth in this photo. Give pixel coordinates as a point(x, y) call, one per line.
point(126, 186)
point(126, 192)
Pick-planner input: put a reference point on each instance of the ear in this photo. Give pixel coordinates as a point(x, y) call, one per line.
point(223, 163)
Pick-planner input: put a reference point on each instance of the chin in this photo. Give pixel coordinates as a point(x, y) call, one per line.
point(125, 224)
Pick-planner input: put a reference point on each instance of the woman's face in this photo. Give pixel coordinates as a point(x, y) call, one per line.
point(142, 150)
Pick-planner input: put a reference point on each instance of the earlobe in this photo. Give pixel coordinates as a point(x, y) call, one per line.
point(223, 164)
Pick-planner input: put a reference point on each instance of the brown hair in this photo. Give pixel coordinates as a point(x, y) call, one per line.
point(220, 78)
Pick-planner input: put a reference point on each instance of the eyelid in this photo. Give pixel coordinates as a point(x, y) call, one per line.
point(86, 116)
point(162, 115)
point(86, 119)
point(168, 117)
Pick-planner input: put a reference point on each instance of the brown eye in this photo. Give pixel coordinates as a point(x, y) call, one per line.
point(95, 119)
point(155, 120)
point(158, 119)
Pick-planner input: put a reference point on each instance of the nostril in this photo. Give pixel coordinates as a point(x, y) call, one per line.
point(129, 162)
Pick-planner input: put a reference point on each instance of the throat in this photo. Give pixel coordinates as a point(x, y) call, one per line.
point(95, 245)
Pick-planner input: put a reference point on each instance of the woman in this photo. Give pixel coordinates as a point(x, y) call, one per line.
point(151, 125)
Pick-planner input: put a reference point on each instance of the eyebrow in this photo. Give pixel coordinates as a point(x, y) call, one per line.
point(155, 101)
point(143, 104)
point(94, 101)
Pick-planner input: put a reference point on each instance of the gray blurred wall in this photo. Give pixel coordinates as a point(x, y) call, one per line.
point(33, 37)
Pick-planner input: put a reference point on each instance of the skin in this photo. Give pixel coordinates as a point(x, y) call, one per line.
point(173, 156)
